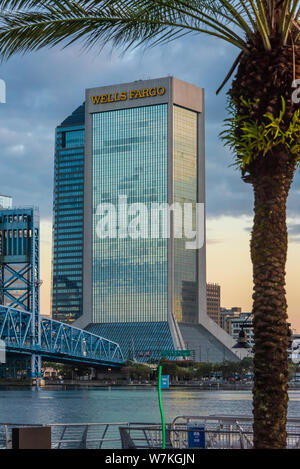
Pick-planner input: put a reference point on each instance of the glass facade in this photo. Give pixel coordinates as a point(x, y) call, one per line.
point(130, 276)
point(185, 191)
point(68, 219)
point(141, 341)
point(141, 150)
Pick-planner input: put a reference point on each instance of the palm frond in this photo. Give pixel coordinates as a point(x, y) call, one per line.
point(230, 73)
point(27, 25)
point(290, 17)
point(261, 22)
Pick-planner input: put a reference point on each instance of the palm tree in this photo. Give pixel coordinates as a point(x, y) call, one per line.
point(263, 130)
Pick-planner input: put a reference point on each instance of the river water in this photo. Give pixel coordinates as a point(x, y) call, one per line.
point(122, 404)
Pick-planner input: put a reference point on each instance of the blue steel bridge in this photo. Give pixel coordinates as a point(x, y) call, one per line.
point(22, 328)
point(58, 342)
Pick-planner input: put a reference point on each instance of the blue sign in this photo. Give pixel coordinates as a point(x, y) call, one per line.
point(196, 436)
point(165, 382)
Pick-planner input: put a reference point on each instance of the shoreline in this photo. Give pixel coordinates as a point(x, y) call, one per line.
point(68, 384)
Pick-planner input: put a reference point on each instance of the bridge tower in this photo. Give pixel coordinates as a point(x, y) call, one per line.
point(19, 269)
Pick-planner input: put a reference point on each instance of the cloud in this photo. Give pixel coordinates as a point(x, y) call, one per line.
point(44, 87)
point(294, 232)
point(214, 241)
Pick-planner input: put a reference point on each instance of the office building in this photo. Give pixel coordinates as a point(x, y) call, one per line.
point(213, 293)
point(143, 145)
point(68, 218)
point(226, 314)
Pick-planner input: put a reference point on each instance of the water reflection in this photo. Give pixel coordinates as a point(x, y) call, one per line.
point(122, 404)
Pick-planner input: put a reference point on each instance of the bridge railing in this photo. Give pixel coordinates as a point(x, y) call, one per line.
point(56, 338)
point(15, 328)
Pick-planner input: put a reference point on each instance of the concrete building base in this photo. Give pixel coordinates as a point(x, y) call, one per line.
point(209, 342)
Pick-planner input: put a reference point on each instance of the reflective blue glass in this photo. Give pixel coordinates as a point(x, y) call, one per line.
point(68, 206)
point(129, 159)
point(185, 191)
point(74, 139)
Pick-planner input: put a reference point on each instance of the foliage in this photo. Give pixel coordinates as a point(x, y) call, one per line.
point(67, 370)
point(250, 139)
point(188, 371)
point(292, 370)
point(227, 368)
point(169, 368)
point(27, 25)
point(136, 370)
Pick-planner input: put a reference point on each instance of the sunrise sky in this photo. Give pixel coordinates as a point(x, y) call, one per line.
point(45, 87)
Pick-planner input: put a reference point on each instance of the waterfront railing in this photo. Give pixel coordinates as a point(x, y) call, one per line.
point(220, 432)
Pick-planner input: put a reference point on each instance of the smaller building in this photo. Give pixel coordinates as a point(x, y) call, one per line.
point(213, 294)
point(5, 201)
point(294, 353)
point(226, 314)
point(19, 258)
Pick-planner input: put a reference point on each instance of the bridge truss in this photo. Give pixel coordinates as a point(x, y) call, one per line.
point(22, 327)
point(19, 268)
point(59, 342)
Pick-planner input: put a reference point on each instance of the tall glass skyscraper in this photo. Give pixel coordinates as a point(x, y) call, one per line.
point(135, 145)
point(68, 218)
point(144, 144)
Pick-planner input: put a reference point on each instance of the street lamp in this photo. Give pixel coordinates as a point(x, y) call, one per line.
point(242, 341)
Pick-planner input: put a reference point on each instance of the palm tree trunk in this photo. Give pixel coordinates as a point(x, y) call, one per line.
point(271, 185)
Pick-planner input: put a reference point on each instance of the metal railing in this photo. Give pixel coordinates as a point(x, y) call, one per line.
point(150, 437)
point(235, 431)
point(73, 435)
point(86, 436)
point(221, 432)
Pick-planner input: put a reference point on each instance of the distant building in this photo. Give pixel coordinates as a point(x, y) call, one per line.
point(294, 352)
point(5, 201)
point(213, 296)
point(67, 267)
point(226, 314)
point(19, 258)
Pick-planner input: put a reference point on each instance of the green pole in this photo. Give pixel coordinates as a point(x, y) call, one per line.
point(163, 423)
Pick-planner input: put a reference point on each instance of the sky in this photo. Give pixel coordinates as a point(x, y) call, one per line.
point(44, 87)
